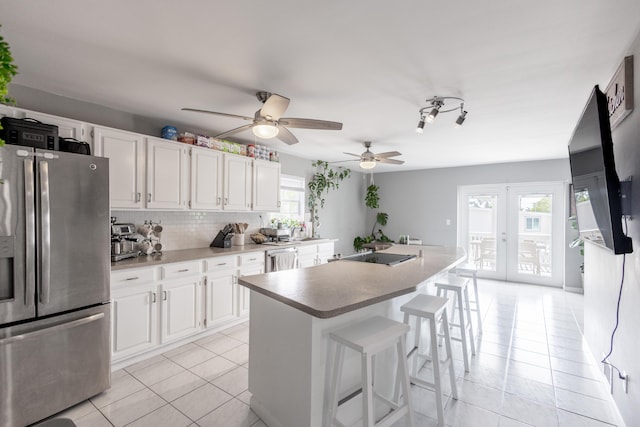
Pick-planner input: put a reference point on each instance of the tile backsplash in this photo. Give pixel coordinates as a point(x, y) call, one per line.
point(186, 230)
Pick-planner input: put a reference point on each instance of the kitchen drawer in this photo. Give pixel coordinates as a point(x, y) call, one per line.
point(133, 276)
point(221, 262)
point(252, 258)
point(307, 250)
point(181, 269)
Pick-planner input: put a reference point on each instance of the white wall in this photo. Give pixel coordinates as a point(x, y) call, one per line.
point(342, 217)
point(603, 270)
point(419, 203)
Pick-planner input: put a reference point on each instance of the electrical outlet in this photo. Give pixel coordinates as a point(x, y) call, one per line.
point(625, 383)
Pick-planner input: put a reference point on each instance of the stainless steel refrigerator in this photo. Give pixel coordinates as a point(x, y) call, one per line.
point(54, 281)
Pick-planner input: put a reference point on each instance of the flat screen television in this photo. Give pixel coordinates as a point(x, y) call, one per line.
point(596, 186)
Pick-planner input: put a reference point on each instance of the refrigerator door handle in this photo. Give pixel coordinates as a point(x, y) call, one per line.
point(30, 229)
point(45, 219)
point(52, 329)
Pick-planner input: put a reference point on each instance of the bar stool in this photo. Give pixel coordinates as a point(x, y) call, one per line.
point(368, 338)
point(434, 309)
point(470, 270)
point(458, 286)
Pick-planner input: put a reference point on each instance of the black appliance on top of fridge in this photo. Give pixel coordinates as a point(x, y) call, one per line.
point(54, 281)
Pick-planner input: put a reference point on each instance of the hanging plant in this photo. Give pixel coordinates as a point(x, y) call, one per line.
point(7, 71)
point(372, 201)
point(323, 180)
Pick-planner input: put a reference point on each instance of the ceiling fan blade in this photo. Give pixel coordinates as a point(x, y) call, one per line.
point(234, 131)
point(390, 161)
point(274, 106)
point(218, 114)
point(344, 161)
point(310, 124)
point(388, 154)
point(351, 154)
point(286, 136)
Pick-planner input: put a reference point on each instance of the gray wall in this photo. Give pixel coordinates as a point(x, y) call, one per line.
point(603, 272)
point(420, 202)
point(342, 217)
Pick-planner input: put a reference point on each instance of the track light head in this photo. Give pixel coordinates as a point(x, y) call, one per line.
point(420, 128)
point(461, 118)
point(432, 115)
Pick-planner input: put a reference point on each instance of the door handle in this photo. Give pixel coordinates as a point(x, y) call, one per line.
point(153, 297)
point(138, 197)
point(53, 329)
point(148, 197)
point(30, 220)
point(45, 237)
point(164, 295)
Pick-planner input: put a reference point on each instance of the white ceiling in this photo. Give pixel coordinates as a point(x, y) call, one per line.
point(524, 68)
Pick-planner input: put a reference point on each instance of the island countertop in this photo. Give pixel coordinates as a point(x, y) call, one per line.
point(339, 287)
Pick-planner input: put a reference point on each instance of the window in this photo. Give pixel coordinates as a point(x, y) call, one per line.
point(292, 198)
point(532, 224)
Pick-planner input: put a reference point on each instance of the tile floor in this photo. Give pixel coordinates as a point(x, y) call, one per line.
point(531, 369)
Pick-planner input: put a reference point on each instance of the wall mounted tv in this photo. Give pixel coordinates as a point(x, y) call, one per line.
point(595, 181)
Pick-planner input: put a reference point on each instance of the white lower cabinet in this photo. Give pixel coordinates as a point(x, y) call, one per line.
point(219, 296)
point(310, 255)
point(250, 264)
point(134, 319)
point(180, 308)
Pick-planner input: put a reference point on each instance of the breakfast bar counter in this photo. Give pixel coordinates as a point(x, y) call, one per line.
point(292, 313)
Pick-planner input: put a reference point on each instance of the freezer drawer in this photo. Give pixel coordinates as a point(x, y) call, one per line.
point(49, 365)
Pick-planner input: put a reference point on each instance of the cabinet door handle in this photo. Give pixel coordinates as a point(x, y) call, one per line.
point(219, 200)
point(164, 295)
point(253, 259)
point(226, 200)
point(153, 297)
point(184, 270)
point(222, 263)
point(138, 197)
point(149, 198)
point(278, 203)
point(131, 278)
point(235, 279)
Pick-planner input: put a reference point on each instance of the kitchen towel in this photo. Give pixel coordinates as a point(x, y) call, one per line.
point(283, 261)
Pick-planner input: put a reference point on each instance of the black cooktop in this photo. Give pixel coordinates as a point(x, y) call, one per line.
point(380, 258)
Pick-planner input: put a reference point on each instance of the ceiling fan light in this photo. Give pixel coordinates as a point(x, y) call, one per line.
point(265, 130)
point(368, 164)
point(461, 119)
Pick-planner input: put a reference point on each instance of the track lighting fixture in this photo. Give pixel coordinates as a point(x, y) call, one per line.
point(441, 104)
point(461, 117)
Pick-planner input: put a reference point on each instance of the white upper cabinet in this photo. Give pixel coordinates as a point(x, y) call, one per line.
point(67, 128)
point(206, 179)
point(166, 174)
point(266, 186)
point(125, 151)
point(237, 183)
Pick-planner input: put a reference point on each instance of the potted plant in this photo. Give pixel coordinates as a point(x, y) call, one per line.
point(7, 71)
point(372, 201)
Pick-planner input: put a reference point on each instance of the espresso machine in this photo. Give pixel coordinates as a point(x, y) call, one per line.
point(123, 241)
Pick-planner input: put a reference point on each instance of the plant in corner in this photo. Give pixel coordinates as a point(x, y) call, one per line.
point(7, 71)
point(323, 180)
point(372, 201)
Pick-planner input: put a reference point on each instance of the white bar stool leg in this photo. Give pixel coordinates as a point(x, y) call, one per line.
point(468, 310)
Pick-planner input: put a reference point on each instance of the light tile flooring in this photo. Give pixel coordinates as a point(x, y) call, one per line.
point(531, 369)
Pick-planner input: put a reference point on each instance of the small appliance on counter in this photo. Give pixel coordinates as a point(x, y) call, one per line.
point(277, 235)
point(123, 241)
point(223, 238)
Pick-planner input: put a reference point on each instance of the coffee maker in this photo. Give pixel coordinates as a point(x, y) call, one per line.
point(123, 241)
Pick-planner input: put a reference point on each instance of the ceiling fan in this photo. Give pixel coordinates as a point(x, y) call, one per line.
point(268, 121)
point(368, 159)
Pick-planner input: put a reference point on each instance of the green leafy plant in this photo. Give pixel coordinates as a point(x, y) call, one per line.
point(372, 201)
point(323, 180)
point(7, 71)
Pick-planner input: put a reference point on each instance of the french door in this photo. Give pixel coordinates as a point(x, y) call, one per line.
point(514, 232)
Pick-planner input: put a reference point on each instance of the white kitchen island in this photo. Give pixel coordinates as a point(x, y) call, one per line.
point(293, 311)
